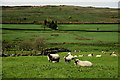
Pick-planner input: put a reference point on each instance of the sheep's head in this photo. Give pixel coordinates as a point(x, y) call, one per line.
point(76, 60)
point(69, 53)
point(48, 54)
point(64, 57)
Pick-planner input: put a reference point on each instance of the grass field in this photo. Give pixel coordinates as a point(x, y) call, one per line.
point(59, 13)
point(83, 37)
point(33, 31)
point(39, 67)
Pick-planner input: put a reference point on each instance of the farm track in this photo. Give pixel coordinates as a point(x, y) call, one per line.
point(59, 30)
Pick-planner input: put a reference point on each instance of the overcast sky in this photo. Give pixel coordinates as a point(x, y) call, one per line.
point(94, 3)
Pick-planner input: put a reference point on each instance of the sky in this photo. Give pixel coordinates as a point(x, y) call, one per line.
point(84, 3)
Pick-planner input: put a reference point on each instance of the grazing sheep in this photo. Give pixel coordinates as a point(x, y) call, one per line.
point(75, 56)
point(69, 57)
point(80, 55)
point(82, 63)
point(103, 52)
point(75, 51)
point(53, 58)
point(90, 55)
point(113, 54)
point(98, 55)
point(69, 53)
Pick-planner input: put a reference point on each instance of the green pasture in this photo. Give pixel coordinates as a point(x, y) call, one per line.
point(90, 27)
point(58, 13)
point(39, 67)
point(87, 40)
point(25, 31)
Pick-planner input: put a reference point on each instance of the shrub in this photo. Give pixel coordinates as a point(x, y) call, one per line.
point(25, 45)
point(39, 44)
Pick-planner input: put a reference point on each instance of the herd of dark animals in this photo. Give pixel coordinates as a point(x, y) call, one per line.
point(43, 52)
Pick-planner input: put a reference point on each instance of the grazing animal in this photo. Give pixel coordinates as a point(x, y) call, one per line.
point(103, 52)
point(53, 58)
point(90, 55)
point(98, 55)
point(69, 57)
point(79, 51)
point(80, 55)
point(75, 56)
point(75, 51)
point(82, 63)
point(113, 54)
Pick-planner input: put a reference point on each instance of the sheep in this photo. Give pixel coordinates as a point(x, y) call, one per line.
point(113, 54)
point(103, 52)
point(90, 55)
point(80, 55)
point(75, 56)
point(53, 58)
point(82, 63)
point(98, 55)
point(79, 51)
point(75, 51)
point(69, 57)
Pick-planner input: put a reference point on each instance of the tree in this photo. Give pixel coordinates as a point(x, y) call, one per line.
point(51, 24)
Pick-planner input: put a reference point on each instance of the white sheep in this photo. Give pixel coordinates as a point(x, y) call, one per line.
point(82, 63)
point(113, 54)
point(80, 55)
point(75, 56)
point(90, 55)
point(53, 58)
point(98, 55)
point(103, 52)
point(69, 57)
point(75, 51)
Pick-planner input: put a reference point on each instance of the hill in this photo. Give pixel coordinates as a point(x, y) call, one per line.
point(62, 14)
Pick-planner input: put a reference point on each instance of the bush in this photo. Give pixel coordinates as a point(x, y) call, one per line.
point(6, 45)
point(25, 45)
point(39, 44)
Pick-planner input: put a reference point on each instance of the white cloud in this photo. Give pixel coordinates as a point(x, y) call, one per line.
point(94, 3)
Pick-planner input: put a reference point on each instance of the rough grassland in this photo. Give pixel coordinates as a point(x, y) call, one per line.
point(39, 67)
point(59, 13)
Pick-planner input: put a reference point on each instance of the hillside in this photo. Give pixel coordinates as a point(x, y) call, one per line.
point(62, 14)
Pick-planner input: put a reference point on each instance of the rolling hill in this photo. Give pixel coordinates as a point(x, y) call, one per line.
point(62, 14)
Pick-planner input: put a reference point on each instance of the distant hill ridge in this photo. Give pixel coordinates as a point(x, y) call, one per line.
point(62, 14)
